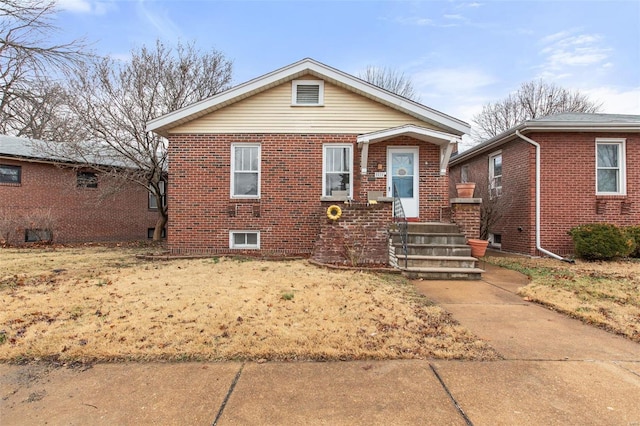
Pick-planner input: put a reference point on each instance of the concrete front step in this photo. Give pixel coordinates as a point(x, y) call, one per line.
point(433, 228)
point(436, 249)
point(431, 239)
point(443, 273)
point(417, 261)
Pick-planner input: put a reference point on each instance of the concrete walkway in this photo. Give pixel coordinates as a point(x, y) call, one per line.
point(555, 371)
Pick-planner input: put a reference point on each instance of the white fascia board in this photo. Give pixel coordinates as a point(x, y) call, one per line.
point(421, 133)
point(161, 124)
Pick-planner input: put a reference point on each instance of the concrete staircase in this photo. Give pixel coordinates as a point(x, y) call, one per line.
point(436, 251)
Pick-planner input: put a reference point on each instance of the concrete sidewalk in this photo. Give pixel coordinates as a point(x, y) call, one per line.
point(555, 371)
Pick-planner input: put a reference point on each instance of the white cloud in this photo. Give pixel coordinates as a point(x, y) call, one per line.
point(85, 6)
point(615, 100)
point(451, 81)
point(160, 20)
point(566, 51)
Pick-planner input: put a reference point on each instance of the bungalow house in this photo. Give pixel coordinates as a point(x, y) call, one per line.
point(255, 168)
point(545, 176)
point(42, 199)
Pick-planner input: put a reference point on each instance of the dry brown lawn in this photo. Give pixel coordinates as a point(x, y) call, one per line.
point(606, 294)
point(103, 304)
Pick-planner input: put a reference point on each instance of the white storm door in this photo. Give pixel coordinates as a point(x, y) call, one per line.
point(402, 172)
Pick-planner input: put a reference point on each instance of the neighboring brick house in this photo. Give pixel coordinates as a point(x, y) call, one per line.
point(587, 173)
point(255, 167)
point(42, 200)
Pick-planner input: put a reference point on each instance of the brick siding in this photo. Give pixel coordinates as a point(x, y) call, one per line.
point(359, 237)
point(48, 197)
point(289, 211)
point(568, 188)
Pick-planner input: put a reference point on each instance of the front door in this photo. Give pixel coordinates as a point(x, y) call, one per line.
point(402, 167)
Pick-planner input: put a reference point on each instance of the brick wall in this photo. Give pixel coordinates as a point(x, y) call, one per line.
point(359, 237)
point(48, 197)
point(466, 214)
point(568, 189)
point(287, 214)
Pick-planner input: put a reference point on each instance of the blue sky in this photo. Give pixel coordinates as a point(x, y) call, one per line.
point(459, 54)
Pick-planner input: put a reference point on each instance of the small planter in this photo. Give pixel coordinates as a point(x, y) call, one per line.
point(478, 247)
point(465, 190)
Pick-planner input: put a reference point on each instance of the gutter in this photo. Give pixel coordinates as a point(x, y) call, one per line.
point(538, 238)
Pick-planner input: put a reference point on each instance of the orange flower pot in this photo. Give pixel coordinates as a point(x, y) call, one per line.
point(478, 247)
point(465, 190)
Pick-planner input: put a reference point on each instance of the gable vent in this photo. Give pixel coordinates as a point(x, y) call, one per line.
point(308, 94)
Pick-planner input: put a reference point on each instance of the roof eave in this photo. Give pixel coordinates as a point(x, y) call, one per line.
point(532, 126)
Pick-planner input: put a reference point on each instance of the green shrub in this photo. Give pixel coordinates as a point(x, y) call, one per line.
point(601, 241)
point(634, 233)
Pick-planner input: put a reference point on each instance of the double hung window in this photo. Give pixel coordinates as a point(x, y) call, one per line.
point(610, 167)
point(245, 170)
point(495, 174)
point(337, 171)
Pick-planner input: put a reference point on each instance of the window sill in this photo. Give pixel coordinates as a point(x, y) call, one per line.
point(611, 196)
point(326, 198)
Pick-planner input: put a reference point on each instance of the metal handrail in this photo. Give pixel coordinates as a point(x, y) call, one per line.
point(400, 219)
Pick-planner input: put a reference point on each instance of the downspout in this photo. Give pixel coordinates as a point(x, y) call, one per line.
point(538, 238)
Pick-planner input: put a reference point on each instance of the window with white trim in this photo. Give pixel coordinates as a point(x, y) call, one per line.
point(337, 170)
point(307, 92)
point(245, 170)
point(244, 239)
point(10, 174)
point(610, 167)
point(495, 174)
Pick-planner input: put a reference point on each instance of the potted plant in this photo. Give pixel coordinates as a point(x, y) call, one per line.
point(478, 247)
point(465, 189)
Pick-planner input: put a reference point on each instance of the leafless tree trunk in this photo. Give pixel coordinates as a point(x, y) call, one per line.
point(532, 100)
point(113, 100)
point(27, 57)
point(391, 80)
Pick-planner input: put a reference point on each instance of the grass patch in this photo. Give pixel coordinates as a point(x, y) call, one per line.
point(606, 294)
point(103, 304)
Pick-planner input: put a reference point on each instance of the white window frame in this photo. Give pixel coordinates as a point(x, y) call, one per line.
point(495, 190)
point(324, 168)
point(232, 244)
point(294, 92)
point(622, 164)
point(233, 171)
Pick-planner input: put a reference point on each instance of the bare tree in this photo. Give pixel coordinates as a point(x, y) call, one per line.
point(27, 57)
point(391, 80)
point(113, 100)
point(534, 99)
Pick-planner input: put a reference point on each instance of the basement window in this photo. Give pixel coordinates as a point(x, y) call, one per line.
point(150, 232)
point(307, 93)
point(244, 239)
point(38, 235)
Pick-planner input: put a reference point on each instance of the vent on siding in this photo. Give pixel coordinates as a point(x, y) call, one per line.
point(308, 94)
